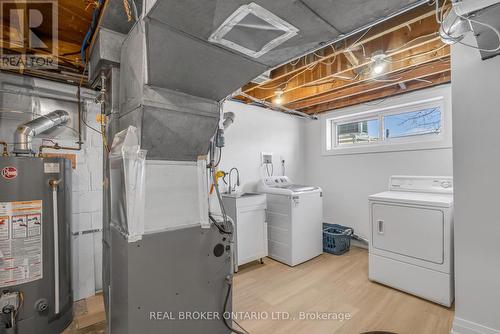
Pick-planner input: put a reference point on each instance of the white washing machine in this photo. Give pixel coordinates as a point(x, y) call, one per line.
point(411, 241)
point(294, 220)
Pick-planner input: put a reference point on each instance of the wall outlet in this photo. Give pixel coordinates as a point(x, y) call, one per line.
point(266, 158)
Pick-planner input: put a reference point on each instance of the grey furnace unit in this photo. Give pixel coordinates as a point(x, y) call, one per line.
point(35, 267)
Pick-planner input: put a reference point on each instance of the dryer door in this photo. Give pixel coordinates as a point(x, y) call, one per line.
point(416, 232)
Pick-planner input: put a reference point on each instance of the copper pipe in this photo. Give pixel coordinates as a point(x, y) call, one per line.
point(56, 146)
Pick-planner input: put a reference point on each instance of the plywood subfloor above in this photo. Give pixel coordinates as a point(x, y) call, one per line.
point(327, 284)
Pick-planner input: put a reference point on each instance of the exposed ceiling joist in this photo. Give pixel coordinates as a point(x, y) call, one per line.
point(421, 72)
point(311, 94)
point(383, 92)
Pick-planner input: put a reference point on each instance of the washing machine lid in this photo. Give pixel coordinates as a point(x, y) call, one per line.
point(298, 188)
point(444, 200)
point(283, 185)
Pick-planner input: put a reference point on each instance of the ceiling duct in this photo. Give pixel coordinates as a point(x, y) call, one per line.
point(453, 28)
point(487, 31)
point(253, 31)
point(479, 17)
point(262, 78)
point(465, 7)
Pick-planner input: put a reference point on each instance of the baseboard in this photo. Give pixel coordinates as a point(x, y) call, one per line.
point(461, 326)
point(359, 244)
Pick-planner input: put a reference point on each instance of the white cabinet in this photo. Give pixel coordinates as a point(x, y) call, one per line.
point(249, 215)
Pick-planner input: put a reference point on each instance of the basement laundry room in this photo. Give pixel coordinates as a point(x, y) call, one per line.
point(249, 167)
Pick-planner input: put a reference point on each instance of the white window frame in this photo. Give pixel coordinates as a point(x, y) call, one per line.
point(431, 98)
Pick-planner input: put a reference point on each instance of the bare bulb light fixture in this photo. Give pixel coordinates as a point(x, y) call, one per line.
point(379, 62)
point(278, 96)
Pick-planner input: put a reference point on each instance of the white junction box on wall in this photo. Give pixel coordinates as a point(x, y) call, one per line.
point(266, 158)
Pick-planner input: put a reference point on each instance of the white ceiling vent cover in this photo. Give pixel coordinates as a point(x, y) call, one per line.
point(253, 30)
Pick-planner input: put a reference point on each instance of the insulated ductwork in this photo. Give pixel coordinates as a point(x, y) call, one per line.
point(453, 28)
point(26, 132)
point(479, 17)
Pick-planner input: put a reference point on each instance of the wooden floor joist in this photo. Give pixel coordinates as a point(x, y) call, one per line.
point(380, 93)
point(405, 61)
point(342, 89)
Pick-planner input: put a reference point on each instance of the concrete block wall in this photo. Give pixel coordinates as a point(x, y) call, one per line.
point(87, 211)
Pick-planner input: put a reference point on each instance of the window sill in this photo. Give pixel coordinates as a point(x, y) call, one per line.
point(390, 147)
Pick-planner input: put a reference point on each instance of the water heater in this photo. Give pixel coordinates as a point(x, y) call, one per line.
point(35, 250)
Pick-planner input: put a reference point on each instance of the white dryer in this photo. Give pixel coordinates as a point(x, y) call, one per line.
point(411, 241)
point(294, 220)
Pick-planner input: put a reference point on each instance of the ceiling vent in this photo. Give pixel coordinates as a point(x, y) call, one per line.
point(253, 31)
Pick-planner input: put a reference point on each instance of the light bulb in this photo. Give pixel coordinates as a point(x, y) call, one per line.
point(378, 68)
point(278, 97)
point(379, 62)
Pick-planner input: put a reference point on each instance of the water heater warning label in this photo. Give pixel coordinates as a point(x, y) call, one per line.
point(20, 242)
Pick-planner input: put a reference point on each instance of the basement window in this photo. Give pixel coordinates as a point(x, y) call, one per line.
point(409, 126)
point(358, 132)
point(414, 123)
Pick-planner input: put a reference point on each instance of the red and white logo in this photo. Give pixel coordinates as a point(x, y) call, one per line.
point(9, 173)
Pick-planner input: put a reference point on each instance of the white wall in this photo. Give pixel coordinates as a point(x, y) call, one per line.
point(348, 180)
point(476, 116)
point(87, 212)
point(257, 130)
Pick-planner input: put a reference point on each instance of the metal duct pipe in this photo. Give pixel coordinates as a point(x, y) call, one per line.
point(24, 133)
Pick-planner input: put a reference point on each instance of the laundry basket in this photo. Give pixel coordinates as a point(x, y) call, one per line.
point(336, 238)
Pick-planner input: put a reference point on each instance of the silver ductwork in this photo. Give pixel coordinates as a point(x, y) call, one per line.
point(173, 124)
point(25, 133)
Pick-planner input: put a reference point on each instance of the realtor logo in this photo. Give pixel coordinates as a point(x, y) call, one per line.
point(28, 34)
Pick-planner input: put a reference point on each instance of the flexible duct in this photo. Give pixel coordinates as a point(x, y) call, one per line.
point(24, 133)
